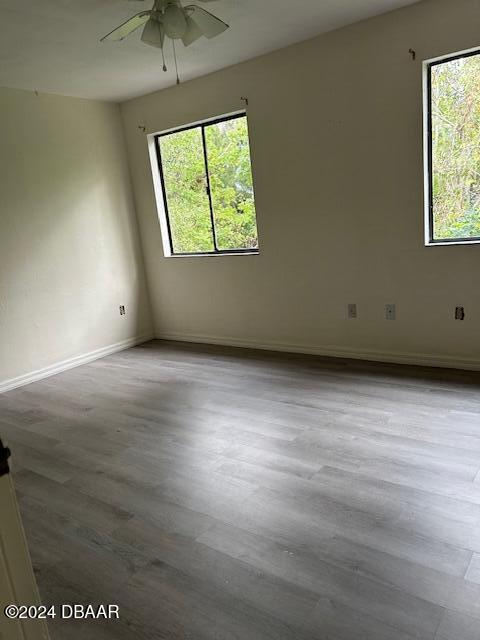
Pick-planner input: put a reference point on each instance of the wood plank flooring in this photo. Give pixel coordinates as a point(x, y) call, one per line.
point(222, 494)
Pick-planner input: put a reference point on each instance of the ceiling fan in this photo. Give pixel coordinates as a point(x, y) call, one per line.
point(170, 18)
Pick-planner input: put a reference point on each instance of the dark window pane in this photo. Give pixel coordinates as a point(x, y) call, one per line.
point(231, 184)
point(185, 185)
point(455, 108)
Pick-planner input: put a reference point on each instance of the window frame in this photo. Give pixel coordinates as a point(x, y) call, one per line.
point(428, 65)
point(158, 153)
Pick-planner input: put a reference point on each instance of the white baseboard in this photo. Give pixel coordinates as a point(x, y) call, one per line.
point(76, 361)
point(427, 360)
point(394, 357)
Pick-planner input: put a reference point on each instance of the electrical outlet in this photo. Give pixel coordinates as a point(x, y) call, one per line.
point(352, 311)
point(390, 312)
point(459, 313)
point(122, 310)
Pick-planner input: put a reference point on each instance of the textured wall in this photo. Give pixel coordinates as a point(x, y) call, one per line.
point(69, 246)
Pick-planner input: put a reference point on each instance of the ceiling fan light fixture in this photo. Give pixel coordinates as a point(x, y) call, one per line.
point(153, 34)
point(208, 24)
point(174, 22)
point(192, 33)
point(171, 18)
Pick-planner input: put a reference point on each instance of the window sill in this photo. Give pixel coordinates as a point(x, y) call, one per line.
point(447, 243)
point(213, 255)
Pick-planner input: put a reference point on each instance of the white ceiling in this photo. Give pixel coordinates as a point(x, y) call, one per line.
point(53, 45)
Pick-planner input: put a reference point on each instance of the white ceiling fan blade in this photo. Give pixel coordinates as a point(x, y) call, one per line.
point(193, 32)
point(128, 27)
point(153, 34)
point(210, 25)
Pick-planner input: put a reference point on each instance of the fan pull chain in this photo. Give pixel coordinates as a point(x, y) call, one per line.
point(175, 58)
point(163, 58)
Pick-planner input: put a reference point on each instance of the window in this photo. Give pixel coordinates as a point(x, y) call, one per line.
point(453, 148)
point(207, 186)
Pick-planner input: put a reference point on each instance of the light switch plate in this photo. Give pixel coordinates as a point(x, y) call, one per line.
point(352, 311)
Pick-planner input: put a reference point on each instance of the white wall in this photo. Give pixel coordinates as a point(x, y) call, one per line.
point(69, 246)
point(336, 139)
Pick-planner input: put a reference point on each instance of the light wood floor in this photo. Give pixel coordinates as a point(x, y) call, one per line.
point(223, 494)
